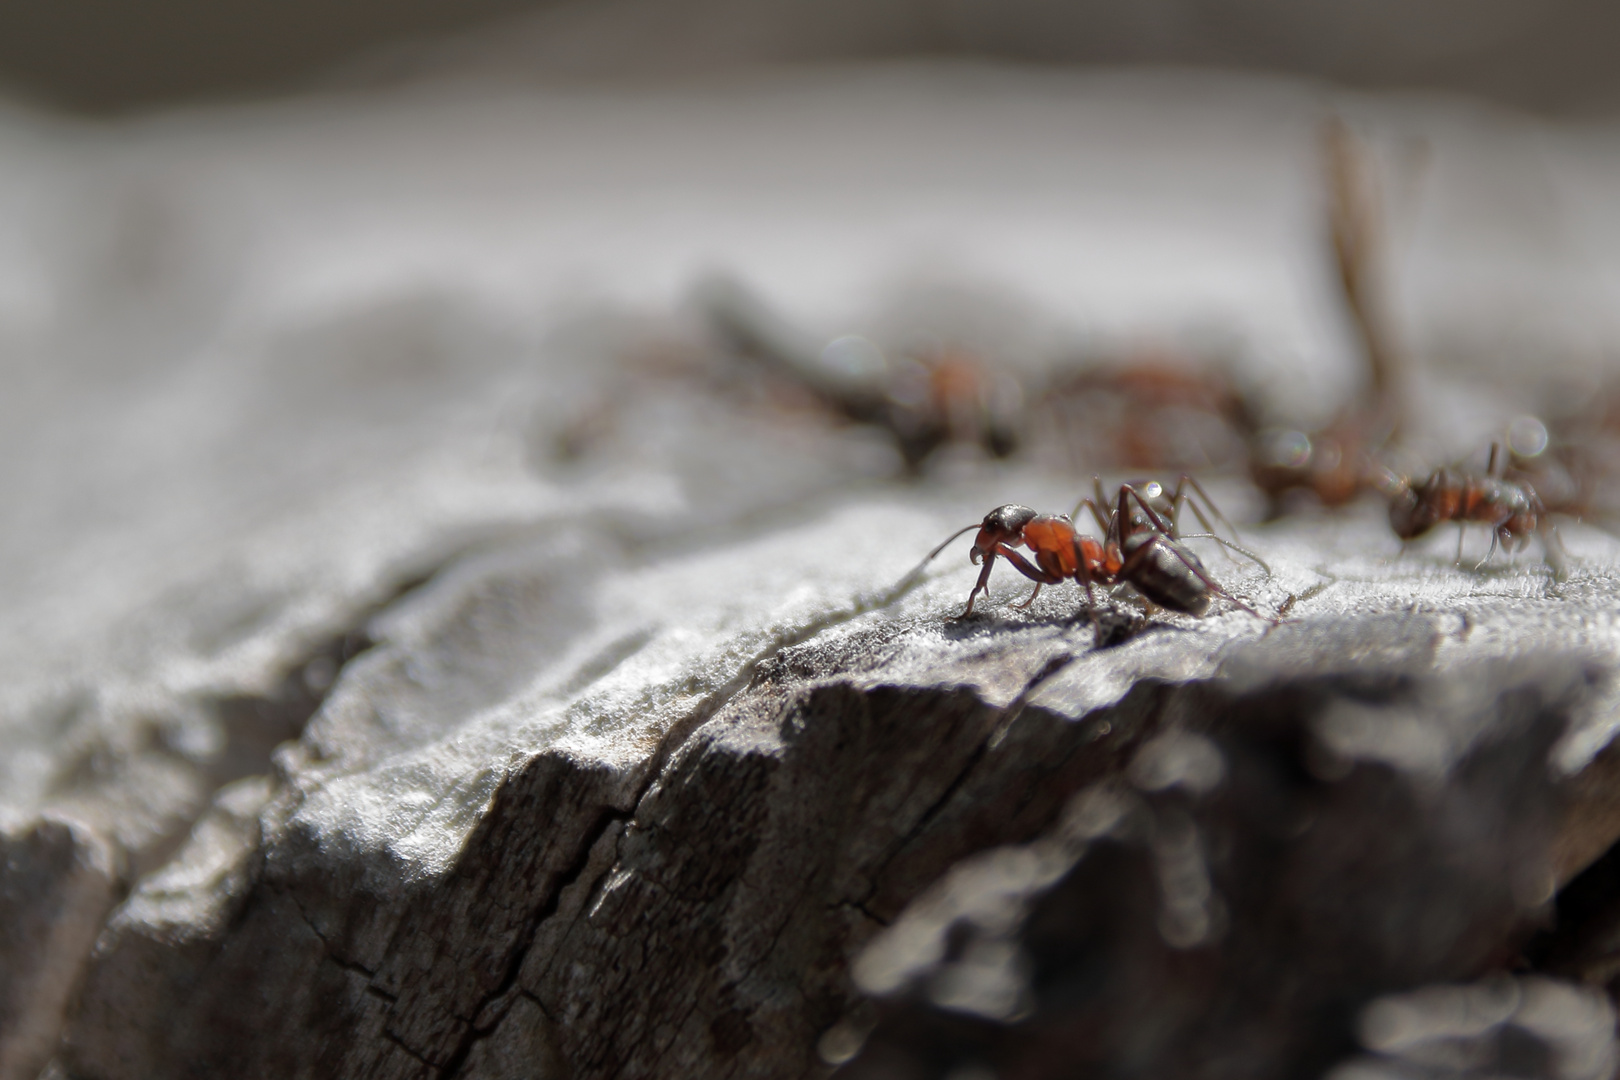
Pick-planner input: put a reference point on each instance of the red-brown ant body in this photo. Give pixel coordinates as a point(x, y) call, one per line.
point(1139, 548)
point(1511, 509)
point(1156, 413)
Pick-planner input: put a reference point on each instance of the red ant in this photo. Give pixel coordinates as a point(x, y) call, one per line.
point(1141, 549)
point(1511, 508)
point(1152, 413)
point(924, 400)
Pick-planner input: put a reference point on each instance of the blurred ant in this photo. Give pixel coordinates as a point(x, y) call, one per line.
point(1511, 508)
point(1139, 548)
point(923, 401)
point(1153, 412)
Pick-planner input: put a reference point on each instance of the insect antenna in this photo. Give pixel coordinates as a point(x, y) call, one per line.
point(911, 576)
point(1245, 552)
point(932, 555)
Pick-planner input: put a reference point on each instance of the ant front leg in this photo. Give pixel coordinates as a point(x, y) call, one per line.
point(982, 585)
point(1021, 564)
point(1034, 573)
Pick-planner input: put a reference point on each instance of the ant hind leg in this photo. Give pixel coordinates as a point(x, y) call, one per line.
point(1245, 552)
point(1553, 550)
point(1189, 481)
point(1215, 588)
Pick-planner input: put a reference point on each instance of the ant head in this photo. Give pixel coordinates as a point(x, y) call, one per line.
point(1410, 514)
point(1003, 525)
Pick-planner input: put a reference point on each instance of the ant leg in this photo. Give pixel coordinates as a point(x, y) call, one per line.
point(982, 585)
point(1462, 529)
point(1245, 552)
point(1126, 490)
point(1025, 567)
point(1034, 573)
point(1555, 553)
point(1208, 502)
point(1091, 605)
point(1096, 514)
point(1112, 525)
point(1180, 499)
point(1214, 587)
point(1084, 577)
point(1491, 551)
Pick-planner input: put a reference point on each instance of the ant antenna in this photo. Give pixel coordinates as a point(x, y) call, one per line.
point(932, 555)
point(906, 582)
point(1245, 552)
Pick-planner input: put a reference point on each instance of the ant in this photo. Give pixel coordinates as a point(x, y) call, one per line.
point(1153, 412)
point(1511, 508)
point(1139, 548)
point(923, 400)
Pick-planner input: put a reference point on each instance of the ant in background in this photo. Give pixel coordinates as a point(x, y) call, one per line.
point(923, 402)
point(1336, 463)
point(1151, 413)
point(1140, 548)
point(1511, 509)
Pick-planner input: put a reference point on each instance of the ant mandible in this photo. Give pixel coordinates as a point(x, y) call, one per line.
point(1139, 548)
point(1512, 509)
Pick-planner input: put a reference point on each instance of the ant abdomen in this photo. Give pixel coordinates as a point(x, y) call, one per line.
point(1409, 518)
point(1166, 573)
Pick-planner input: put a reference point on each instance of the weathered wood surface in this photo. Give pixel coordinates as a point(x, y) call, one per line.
point(639, 820)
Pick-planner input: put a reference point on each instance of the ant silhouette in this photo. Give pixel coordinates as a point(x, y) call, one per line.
point(1511, 508)
point(1141, 547)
